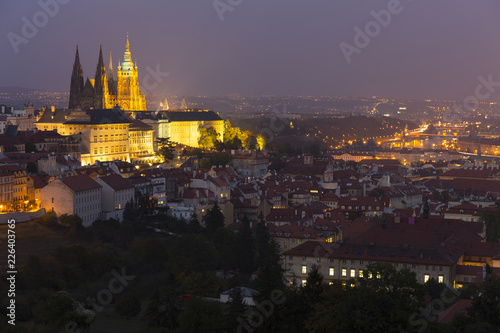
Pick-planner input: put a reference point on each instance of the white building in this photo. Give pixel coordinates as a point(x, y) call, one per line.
point(80, 195)
point(116, 192)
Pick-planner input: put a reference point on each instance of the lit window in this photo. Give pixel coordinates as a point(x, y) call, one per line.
point(353, 273)
point(304, 282)
point(332, 271)
point(440, 279)
point(370, 275)
point(344, 271)
point(304, 269)
point(426, 278)
point(378, 275)
point(360, 273)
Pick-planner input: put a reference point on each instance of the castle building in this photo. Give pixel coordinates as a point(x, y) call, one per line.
point(104, 92)
point(184, 127)
point(103, 134)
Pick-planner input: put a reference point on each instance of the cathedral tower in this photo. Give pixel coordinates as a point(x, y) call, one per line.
point(76, 86)
point(101, 85)
point(129, 96)
point(105, 92)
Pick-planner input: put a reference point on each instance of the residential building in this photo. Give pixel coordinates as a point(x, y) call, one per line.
point(80, 195)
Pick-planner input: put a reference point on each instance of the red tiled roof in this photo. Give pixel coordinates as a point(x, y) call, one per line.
point(80, 183)
point(117, 183)
point(467, 173)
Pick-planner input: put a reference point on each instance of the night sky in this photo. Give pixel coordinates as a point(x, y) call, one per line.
point(430, 49)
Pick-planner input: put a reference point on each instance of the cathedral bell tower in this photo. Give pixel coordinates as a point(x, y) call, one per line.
point(76, 86)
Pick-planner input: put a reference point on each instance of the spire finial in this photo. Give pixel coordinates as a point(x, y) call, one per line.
point(110, 66)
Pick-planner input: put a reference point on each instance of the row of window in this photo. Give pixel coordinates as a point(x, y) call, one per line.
point(112, 150)
point(112, 137)
point(361, 263)
point(87, 208)
point(113, 127)
point(85, 199)
point(352, 273)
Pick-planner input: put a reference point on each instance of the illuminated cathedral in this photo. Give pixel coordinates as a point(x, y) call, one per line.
point(104, 92)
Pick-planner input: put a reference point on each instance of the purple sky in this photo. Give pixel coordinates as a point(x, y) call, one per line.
point(431, 49)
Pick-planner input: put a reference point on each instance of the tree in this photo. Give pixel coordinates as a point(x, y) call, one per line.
point(59, 310)
point(201, 315)
point(164, 306)
point(485, 307)
point(231, 133)
point(208, 137)
point(245, 247)
point(220, 159)
point(193, 225)
point(434, 288)
point(250, 141)
point(383, 301)
point(236, 308)
point(214, 218)
point(165, 149)
point(129, 212)
point(491, 220)
point(30, 147)
point(314, 286)
point(263, 243)
point(31, 168)
point(128, 305)
point(192, 253)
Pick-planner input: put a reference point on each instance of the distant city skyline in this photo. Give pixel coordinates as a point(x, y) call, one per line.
point(393, 49)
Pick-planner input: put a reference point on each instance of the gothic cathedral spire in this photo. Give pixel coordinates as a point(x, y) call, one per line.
point(76, 86)
point(101, 84)
point(110, 69)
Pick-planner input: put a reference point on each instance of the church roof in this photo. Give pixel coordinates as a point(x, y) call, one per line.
point(188, 116)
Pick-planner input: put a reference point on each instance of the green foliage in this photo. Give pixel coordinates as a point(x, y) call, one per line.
point(245, 247)
point(31, 168)
point(382, 303)
point(266, 248)
point(164, 306)
point(129, 212)
point(199, 283)
point(492, 221)
point(208, 137)
point(192, 253)
point(434, 288)
point(165, 149)
point(58, 310)
point(225, 242)
point(30, 147)
point(236, 307)
point(220, 159)
point(200, 315)
point(49, 220)
point(485, 307)
point(314, 286)
point(149, 254)
point(128, 305)
point(213, 219)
